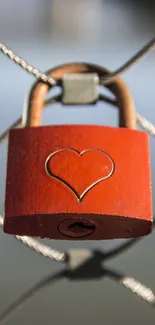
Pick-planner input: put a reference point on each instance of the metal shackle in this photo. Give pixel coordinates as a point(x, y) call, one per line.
point(37, 96)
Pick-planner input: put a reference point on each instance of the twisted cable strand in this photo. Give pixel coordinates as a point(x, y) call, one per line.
point(139, 289)
point(132, 61)
point(26, 66)
point(104, 80)
point(146, 125)
point(39, 247)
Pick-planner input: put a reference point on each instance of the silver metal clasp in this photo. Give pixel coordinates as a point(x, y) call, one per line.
point(80, 89)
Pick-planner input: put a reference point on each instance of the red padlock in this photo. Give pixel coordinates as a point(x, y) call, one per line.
point(78, 181)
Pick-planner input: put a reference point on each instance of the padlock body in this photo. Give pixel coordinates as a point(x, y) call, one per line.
point(61, 175)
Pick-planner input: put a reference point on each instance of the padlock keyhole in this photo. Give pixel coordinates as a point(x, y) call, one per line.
point(80, 227)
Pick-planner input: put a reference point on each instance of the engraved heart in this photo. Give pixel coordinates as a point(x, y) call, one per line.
point(79, 171)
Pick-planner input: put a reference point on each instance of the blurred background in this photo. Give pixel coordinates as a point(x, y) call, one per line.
point(47, 33)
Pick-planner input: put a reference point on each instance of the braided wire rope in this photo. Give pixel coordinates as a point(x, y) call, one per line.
point(52, 81)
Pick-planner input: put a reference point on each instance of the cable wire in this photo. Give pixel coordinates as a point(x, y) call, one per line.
point(26, 66)
point(39, 248)
point(132, 61)
point(53, 81)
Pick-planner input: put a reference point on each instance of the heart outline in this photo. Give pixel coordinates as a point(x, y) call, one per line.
point(79, 197)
